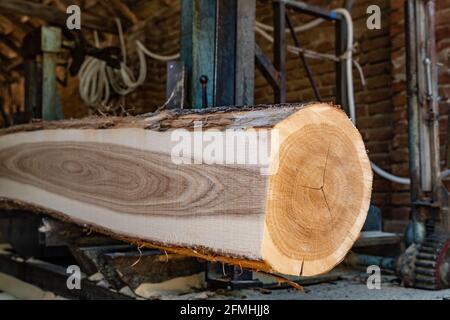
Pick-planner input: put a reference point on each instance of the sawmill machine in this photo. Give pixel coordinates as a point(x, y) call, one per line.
point(211, 77)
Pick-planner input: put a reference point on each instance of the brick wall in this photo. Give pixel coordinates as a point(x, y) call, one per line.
point(400, 197)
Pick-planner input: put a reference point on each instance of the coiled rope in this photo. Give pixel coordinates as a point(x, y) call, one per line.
point(98, 80)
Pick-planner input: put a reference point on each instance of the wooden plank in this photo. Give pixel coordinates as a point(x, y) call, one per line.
point(152, 266)
point(124, 10)
point(375, 238)
point(297, 213)
point(340, 68)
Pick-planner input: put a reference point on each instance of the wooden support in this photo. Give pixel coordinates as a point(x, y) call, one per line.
point(10, 44)
point(210, 34)
point(51, 39)
point(340, 67)
point(235, 58)
point(57, 3)
point(296, 209)
point(198, 42)
point(245, 52)
point(226, 55)
point(11, 29)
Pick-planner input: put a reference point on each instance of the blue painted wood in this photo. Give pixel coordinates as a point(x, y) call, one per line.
point(226, 53)
point(203, 50)
point(51, 38)
point(245, 52)
point(218, 41)
point(187, 12)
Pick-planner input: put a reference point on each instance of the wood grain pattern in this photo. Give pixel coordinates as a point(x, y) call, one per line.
point(133, 181)
point(321, 193)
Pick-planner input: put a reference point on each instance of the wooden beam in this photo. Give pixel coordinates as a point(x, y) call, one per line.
point(57, 3)
point(5, 73)
point(124, 10)
point(8, 27)
point(10, 44)
point(149, 9)
point(3, 56)
point(297, 208)
point(55, 16)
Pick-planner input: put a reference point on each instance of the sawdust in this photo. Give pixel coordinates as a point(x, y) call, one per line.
point(18, 289)
point(96, 277)
point(172, 287)
point(4, 248)
point(5, 296)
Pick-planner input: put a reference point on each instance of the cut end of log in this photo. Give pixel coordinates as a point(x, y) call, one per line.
point(320, 194)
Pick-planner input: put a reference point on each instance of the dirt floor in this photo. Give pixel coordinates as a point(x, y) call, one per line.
point(352, 287)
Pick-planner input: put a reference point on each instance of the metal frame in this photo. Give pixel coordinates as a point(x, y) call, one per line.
point(275, 73)
point(303, 58)
point(279, 50)
point(428, 195)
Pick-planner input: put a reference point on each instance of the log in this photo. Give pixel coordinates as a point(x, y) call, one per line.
point(154, 180)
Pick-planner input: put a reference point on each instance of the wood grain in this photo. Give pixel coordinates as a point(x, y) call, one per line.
point(321, 193)
point(133, 181)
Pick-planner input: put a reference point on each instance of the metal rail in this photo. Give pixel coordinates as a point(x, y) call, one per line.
point(53, 278)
